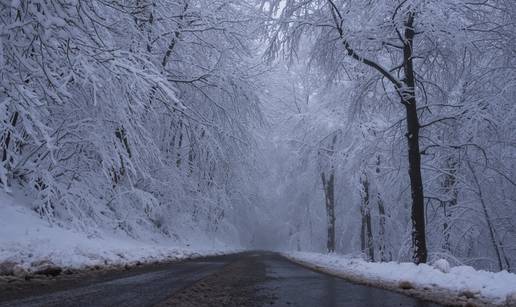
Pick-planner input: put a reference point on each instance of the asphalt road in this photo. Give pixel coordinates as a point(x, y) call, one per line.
point(248, 279)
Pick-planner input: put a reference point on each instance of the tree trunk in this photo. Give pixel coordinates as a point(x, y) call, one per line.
point(381, 219)
point(503, 261)
point(416, 183)
point(381, 232)
point(329, 196)
point(449, 187)
point(330, 209)
point(180, 144)
point(366, 235)
point(416, 186)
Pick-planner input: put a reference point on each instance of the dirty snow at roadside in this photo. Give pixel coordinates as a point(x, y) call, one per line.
point(495, 288)
point(26, 239)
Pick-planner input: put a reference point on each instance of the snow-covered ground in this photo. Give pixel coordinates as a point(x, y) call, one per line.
point(26, 239)
point(438, 282)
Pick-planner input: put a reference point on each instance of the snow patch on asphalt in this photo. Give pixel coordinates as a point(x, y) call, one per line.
point(458, 285)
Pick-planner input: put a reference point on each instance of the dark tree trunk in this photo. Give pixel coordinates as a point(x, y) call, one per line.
point(366, 236)
point(381, 219)
point(381, 231)
point(416, 183)
point(329, 194)
point(416, 186)
point(329, 197)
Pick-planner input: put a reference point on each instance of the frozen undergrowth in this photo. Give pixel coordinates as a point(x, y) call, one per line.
point(26, 239)
point(460, 285)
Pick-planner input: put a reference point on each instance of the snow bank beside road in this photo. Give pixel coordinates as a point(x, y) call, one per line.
point(459, 286)
point(26, 240)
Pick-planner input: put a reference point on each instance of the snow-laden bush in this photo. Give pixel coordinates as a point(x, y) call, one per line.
point(442, 265)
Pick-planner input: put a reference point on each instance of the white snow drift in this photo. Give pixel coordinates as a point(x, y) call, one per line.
point(487, 287)
point(26, 239)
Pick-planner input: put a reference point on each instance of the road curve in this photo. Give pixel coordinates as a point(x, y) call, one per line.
point(248, 279)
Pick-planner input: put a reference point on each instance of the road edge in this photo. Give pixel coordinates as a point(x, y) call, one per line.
point(11, 284)
point(436, 295)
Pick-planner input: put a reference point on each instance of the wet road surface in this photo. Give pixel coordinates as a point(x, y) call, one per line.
point(248, 279)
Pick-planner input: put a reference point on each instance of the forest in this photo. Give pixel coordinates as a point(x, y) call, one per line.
point(383, 129)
